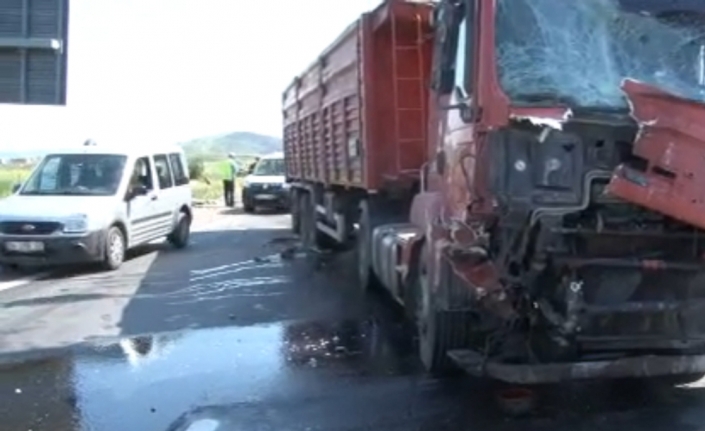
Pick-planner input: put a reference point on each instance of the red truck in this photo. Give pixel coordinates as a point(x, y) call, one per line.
point(525, 177)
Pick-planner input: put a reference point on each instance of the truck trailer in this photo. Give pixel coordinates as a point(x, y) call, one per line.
point(524, 177)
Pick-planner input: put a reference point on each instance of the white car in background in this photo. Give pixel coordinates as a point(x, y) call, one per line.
point(266, 185)
point(93, 203)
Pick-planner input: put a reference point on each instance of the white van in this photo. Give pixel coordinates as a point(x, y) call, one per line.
point(266, 185)
point(93, 203)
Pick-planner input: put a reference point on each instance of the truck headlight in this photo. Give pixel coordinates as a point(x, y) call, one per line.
point(76, 224)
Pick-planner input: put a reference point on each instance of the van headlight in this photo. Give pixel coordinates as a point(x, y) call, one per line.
point(286, 186)
point(76, 224)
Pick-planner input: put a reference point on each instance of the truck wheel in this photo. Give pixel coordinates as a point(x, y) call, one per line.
point(307, 220)
point(311, 237)
point(366, 276)
point(114, 249)
point(295, 208)
point(438, 331)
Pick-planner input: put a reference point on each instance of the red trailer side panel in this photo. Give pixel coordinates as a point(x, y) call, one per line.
point(358, 116)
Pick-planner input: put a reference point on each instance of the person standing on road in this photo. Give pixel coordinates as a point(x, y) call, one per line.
point(230, 171)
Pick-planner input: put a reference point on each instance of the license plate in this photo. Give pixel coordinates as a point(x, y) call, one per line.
point(25, 246)
point(265, 197)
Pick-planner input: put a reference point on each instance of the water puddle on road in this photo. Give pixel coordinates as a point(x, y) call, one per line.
point(154, 378)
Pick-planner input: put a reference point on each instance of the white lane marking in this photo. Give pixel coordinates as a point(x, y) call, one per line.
point(204, 425)
point(17, 282)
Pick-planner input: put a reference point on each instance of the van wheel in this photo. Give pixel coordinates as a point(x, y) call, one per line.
point(114, 249)
point(179, 238)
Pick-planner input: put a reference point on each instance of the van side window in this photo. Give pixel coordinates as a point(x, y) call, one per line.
point(142, 174)
point(161, 163)
point(177, 165)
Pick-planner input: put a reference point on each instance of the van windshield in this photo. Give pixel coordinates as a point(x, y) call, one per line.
point(76, 174)
point(269, 167)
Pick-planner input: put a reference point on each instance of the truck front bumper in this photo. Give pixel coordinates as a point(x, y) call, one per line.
point(634, 366)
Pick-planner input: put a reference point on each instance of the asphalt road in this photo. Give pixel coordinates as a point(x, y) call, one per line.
point(231, 334)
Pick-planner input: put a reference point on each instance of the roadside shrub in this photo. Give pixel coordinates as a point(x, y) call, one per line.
point(196, 168)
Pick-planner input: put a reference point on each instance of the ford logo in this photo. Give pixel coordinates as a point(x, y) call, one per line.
point(27, 228)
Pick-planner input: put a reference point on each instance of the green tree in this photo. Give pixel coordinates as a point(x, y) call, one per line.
point(196, 168)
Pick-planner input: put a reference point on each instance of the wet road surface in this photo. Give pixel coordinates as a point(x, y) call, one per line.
point(230, 335)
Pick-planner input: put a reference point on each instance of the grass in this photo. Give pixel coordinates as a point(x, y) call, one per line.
point(202, 190)
point(209, 190)
point(10, 175)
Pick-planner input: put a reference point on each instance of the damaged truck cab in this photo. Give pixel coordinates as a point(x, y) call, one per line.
point(553, 228)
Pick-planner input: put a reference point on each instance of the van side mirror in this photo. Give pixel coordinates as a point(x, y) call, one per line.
point(138, 190)
point(16, 187)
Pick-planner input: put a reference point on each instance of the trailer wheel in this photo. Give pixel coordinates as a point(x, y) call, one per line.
point(307, 219)
point(295, 209)
point(366, 276)
point(438, 331)
point(311, 237)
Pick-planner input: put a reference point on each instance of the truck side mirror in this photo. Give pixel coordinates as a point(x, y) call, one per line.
point(467, 113)
point(447, 17)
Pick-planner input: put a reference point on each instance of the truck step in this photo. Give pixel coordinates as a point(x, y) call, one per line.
point(525, 374)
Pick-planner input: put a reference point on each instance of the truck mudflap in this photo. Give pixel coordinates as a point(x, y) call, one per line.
point(671, 142)
point(525, 374)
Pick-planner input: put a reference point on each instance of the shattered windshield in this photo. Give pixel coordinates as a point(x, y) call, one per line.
point(76, 174)
point(578, 52)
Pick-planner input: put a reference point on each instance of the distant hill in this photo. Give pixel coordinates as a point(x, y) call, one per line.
point(236, 142)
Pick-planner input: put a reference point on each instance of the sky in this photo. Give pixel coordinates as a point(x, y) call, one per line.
point(173, 70)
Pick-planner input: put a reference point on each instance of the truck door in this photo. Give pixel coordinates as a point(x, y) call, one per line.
point(457, 148)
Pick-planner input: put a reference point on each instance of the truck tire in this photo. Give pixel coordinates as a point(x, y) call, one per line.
point(295, 209)
point(311, 237)
point(307, 220)
point(438, 331)
point(366, 276)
